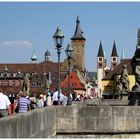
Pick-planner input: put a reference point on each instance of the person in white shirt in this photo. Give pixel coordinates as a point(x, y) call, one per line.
point(49, 99)
point(4, 105)
point(55, 98)
point(40, 102)
point(65, 100)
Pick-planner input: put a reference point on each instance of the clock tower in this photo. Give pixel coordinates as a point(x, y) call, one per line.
point(78, 44)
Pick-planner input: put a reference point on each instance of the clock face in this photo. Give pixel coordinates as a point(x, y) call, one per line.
point(138, 69)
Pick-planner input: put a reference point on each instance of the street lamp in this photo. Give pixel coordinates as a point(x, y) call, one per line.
point(69, 51)
point(44, 82)
point(5, 71)
point(58, 40)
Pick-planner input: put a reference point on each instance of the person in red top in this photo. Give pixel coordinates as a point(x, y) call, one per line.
point(12, 100)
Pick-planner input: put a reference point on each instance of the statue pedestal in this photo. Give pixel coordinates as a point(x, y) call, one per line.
point(124, 97)
point(134, 97)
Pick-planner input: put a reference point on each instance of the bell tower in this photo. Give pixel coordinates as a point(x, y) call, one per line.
point(100, 66)
point(78, 44)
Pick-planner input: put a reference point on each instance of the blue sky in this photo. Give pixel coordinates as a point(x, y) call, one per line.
point(28, 25)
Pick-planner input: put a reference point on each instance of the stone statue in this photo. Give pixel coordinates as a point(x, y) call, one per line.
point(124, 80)
point(136, 66)
point(137, 75)
point(118, 88)
point(26, 85)
point(47, 85)
point(134, 97)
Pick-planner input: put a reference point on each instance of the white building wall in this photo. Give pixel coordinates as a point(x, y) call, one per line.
point(99, 82)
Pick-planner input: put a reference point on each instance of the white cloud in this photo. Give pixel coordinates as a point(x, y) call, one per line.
point(18, 43)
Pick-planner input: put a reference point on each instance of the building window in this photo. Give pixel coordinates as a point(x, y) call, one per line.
point(114, 65)
point(100, 59)
point(34, 85)
point(114, 59)
point(2, 83)
point(7, 83)
point(100, 65)
point(14, 83)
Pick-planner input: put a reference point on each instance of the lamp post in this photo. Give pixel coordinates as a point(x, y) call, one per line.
point(58, 40)
point(5, 71)
point(69, 51)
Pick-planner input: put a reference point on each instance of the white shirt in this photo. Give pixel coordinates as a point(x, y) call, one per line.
point(49, 101)
point(55, 96)
point(65, 100)
point(4, 101)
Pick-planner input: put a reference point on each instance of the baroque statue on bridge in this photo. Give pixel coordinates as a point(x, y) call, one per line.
point(118, 88)
point(124, 80)
point(26, 85)
point(135, 62)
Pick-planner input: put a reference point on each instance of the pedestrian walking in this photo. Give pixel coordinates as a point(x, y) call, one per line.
point(4, 105)
point(40, 102)
point(12, 105)
point(65, 100)
point(55, 97)
point(49, 99)
point(23, 103)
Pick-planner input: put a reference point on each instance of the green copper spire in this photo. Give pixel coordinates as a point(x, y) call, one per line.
point(123, 55)
point(34, 57)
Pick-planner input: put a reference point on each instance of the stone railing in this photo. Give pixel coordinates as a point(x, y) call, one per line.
point(36, 123)
point(99, 120)
point(52, 121)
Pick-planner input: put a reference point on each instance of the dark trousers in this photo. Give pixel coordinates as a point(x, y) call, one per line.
point(55, 102)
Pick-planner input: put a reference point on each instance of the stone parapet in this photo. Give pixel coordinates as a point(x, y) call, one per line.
point(99, 119)
point(85, 121)
point(36, 123)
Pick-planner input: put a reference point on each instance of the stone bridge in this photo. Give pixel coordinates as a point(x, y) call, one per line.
point(101, 120)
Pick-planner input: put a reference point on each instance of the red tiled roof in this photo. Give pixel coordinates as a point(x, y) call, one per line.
point(74, 81)
point(30, 67)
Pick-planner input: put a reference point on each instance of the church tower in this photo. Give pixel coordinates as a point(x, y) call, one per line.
point(78, 44)
point(100, 66)
point(47, 56)
point(114, 57)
